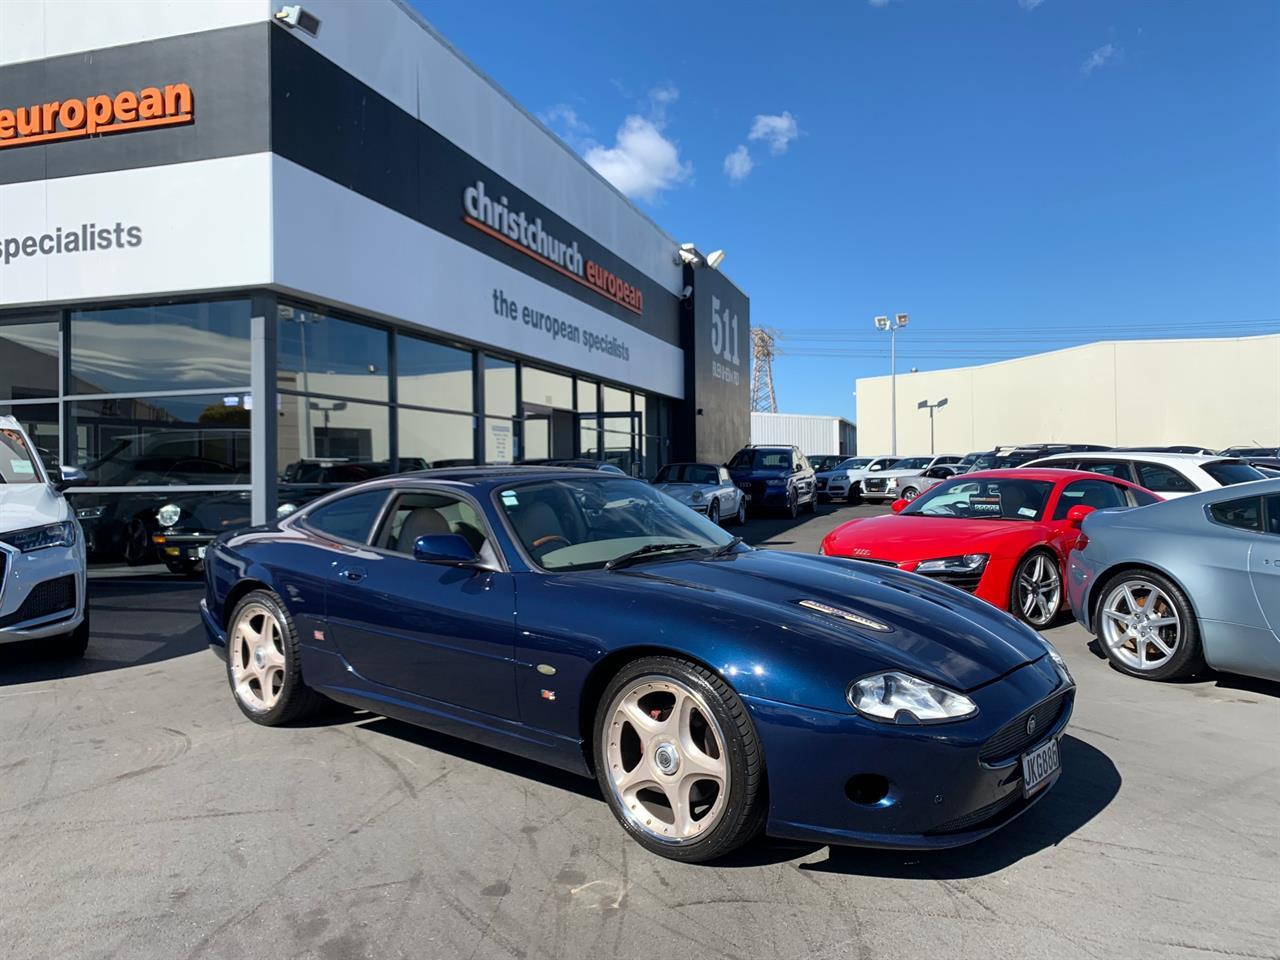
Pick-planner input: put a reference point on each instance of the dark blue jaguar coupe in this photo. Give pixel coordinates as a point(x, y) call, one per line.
point(588, 621)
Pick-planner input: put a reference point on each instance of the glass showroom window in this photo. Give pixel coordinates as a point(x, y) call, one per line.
point(40, 420)
point(430, 374)
point(430, 438)
point(29, 357)
point(547, 408)
point(500, 441)
point(165, 347)
point(320, 354)
point(313, 432)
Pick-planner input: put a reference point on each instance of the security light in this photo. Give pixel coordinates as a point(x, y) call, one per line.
point(901, 319)
point(714, 259)
point(292, 15)
point(882, 323)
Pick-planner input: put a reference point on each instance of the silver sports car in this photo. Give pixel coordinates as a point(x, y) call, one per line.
point(706, 488)
point(1175, 586)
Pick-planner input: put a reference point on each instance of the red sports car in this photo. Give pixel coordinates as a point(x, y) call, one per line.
point(1002, 535)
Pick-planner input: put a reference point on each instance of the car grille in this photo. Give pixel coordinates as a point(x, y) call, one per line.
point(883, 563)
point(49, 597)
point(874, 486)
point(977, 817)
point(967, 582)
point(1012, 738)
point(821, 484)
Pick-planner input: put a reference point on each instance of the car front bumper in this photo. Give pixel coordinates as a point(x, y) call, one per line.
point(176, 546)
point(944, 787)
point(42, 593)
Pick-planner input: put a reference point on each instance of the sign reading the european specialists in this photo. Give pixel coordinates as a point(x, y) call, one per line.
point(493, 216)
point(97, 115)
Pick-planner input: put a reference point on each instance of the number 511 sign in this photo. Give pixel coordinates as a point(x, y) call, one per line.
point(726, 362)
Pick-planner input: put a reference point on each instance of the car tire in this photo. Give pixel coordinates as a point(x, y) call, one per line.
point(713, 511)
point(1035, 596)
point(812, 504)
point(71, 646)
point(1118, 627)
point(716, 722)
point(793, 504)
point(741, 516)
point(267, 684)
point(910, 493)
point(137, 548)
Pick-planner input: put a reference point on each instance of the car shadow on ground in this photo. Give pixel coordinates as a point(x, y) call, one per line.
point(170, 607)
point(1221, 681)
point(1089, 782)
point(779, 531)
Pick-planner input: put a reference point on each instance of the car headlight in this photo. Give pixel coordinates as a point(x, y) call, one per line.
point(895, 697)
point(168, 514)
point(969, 563)
point(696, 496)
point(285, 509)
point(37, 538)
point(891, 483)
point(1061, 664)
point(90, 513)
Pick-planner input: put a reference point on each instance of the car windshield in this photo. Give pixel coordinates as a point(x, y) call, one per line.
point(761, 460)
point(17, 462)
point(854, 463)
point(987, 498)
point(1230, 472)
point(584, 523)
point(687, 473)
point(910, 463)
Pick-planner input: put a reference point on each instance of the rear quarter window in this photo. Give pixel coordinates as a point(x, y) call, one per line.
point(1245, 514)
point(350, 517)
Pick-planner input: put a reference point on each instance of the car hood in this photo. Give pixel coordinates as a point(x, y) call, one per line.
point(758, 474)
point(933, 631)
point(683, 491)
point(906, 538)
point(25, 505)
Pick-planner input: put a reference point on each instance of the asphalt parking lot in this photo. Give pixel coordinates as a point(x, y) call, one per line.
point(142, 816)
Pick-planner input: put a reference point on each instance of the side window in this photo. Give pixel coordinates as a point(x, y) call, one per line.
point(348, 518)
point(1162, 479)
point(1141, 498)
point(425, 514)
point(1245, 514)
point(1090, 493)
point(1108, 468)
point(1273, 514)
point(724, 476)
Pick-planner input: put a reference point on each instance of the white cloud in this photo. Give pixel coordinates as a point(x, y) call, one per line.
point(659, 99)
point(563, 119)
point(777, 129)
point(1029, 4)
point(738, 163)
point(643, 162)
point(1102, 55)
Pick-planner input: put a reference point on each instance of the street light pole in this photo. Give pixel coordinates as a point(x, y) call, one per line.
point(893, 326)
point(926, 405)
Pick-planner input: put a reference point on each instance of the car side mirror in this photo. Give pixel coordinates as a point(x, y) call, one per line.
point(1076, 515)
point(900, 505)
point(448, 549)
point(71, 477)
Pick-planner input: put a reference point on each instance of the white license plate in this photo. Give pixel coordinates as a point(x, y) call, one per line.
point(1038, 766)
point(200, 552)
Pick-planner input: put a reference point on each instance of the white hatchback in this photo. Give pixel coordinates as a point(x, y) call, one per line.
point(1171, 475)
point(42, 556)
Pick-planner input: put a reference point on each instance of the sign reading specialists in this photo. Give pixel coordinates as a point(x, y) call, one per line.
point(492, 215)
point(97, 115)
point(84, 238)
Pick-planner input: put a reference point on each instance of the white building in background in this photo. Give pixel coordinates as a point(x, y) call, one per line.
point(814, 435)
point(1215, 393)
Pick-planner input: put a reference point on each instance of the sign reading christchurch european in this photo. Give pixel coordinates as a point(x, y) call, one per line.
point(493, 216)
point(96, 115)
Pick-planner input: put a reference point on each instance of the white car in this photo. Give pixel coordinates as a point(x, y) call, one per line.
point(883, 484)
point(842, 481)
point(704, 487)
point(1171, 475)
point(42, 556)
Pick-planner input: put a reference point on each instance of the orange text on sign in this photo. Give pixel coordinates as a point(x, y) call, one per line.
point(97, 115)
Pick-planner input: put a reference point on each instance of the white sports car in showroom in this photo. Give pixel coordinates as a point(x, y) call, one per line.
point(42, 557)
point(703, 487)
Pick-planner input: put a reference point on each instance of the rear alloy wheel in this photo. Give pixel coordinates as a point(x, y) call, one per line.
point(910, 494)
point(742, 511)
point(713, 512)
point(793, 504)
point(264, 663)
point(812, 504)
point(677, 759)
point(1147, 628)
point(1037, 590)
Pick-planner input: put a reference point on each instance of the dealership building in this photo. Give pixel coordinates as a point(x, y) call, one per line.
point(239, 250)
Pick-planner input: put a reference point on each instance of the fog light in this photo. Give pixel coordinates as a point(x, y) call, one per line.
point(867, 789)
point(172, 551)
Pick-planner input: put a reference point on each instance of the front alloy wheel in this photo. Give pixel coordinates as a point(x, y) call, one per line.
point(910, 494)
point(793, 504)
point(713, 512)
point(264, 663)
point(742, 510)
point(1146, 628)
point(1037, 590)
point(678, 761)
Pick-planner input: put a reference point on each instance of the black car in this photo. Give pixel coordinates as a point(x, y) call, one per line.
point(826, 461)
point(777, 478)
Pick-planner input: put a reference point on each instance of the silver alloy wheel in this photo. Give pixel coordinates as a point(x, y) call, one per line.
point(1140, 625)
point(713, 512)
point(1039, 590)
point(910, 494)
point(667, 760)
point(742, 509)
point(256, 651)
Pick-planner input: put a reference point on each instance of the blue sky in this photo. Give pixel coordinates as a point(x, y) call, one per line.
point(1016, 175)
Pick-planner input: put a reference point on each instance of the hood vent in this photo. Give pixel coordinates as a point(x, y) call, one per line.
point(846, 615)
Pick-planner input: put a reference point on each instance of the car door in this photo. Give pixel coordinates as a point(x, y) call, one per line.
point(1264, 564)
point(729, 492)
point(442, 632)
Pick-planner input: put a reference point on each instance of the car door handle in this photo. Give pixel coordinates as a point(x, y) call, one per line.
point(354, 574)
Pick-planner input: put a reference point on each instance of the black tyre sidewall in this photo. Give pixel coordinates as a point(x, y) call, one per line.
point(744, 812)
point(72, 645)
point(1188, 660)
point(1016, 608)
point(296, 698)
point(716, 505)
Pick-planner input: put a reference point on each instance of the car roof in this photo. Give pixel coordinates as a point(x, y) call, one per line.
point(1052, 474)
point(498, 474)
point(1169, 459)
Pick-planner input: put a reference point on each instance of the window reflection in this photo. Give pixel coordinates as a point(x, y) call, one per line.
point(545, 388)
point(321, 354)
point(40, 420)
point(432, 374)
point(321, 429)
point(429, 439)
point(29, 360)
point(176, 346)
point(499, 387)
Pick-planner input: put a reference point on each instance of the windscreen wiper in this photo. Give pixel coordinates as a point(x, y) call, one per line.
point(727, 548)
point(648, 550)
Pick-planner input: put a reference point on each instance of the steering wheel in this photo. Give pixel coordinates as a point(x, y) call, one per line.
point(550, 538)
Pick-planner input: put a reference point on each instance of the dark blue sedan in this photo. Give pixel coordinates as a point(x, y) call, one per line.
point(590, 622)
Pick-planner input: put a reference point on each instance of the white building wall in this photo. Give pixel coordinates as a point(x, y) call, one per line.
point(814, 435)
point(1212, 392)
